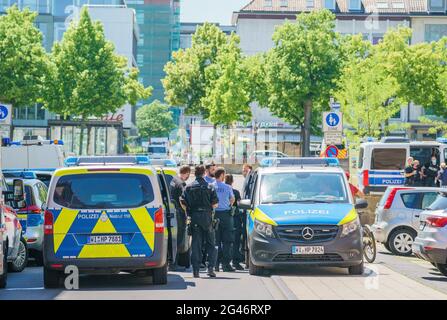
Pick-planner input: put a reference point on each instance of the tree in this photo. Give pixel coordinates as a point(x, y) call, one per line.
point(302, 69)
point(155, 120)
point(23, 60)
point(88, 78)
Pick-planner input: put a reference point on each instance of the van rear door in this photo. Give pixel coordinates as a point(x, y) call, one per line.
point(387, 166)
point(105, 215)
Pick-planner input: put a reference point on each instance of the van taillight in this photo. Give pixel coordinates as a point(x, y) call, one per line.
point(48, 223)
point(437, 222)
point(365, 178)
point(391, 196)
point(159, 221)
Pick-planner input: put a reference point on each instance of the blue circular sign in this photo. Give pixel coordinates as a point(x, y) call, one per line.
point(332, 119)
point(3, 112)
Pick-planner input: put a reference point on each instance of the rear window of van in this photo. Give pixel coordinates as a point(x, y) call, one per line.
point(103, 191)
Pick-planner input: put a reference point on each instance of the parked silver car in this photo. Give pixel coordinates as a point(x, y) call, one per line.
point(398, 216)
point(3, 258)
point(431, 241)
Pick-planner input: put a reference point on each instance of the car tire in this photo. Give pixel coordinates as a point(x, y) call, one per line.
point(4, 277)
point(184, 259)
point(357, 270)
point(160, 275)
point(51, 278)
point(38, 257)
point(387, 247)
point(255, 270)
point(400, 241)
point(22, 258)
point(442, 267)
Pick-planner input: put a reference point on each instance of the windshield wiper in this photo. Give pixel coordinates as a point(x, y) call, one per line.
point(296, 201)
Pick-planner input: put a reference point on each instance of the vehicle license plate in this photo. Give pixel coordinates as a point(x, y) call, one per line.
point(308, 250)
point(115, 239)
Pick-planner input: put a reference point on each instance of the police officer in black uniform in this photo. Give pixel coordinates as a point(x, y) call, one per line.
point(199, 199)
point(177, 187)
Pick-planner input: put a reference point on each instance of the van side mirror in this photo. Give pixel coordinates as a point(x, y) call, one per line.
point(245, 204)
point(361, 204)
point(19, 190)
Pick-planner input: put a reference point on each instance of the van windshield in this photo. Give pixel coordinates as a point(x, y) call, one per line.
point(303, 187)
point(156, 150)
point(103, 191)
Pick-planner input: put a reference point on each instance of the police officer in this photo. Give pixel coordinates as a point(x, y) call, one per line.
point(225, 232)
point(199, 199)
point(210, 170)
point(431, 171)
point(177, 186)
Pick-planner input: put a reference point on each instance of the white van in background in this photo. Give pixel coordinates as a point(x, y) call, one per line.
point(33, 153)
point(382, 164)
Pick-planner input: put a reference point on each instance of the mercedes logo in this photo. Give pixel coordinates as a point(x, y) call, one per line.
point(307, 233)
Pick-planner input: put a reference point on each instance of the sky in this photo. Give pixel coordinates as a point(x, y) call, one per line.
point(210, 10)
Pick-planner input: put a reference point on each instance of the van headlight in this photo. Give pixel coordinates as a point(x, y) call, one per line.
point(264, 228)
point(350, 227)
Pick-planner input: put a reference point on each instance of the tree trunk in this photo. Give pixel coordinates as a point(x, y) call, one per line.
point(307, 127)
point(302, 140)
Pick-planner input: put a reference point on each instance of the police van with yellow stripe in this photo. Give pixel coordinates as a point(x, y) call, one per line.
point(107, 219)
point(302, 214)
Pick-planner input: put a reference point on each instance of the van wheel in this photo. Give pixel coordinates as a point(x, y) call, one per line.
point(160, 275)
point(253, 269)
point(22, 258)
point(401, 240)
point(184, 259)
point(357, 270)
point(51, 278)
point(442, 267)
point(4, 277)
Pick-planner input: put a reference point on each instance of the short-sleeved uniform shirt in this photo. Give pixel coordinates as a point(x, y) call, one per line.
point(224, 193)
point(209, 179)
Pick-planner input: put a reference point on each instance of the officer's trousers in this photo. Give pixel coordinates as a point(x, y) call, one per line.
point(225, 237)
point(239, 236)
point(206, 238)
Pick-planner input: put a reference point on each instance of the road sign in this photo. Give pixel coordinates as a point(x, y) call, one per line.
point(333, 138)
point(332, 152)
point(332, 121)
point(335, 106)
point(5, 114)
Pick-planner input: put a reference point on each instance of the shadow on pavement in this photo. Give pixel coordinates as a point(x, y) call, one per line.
point(312, 271)
point(438, 279)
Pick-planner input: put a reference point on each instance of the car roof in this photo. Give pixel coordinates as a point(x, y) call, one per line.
point(102, 169)
point(419, 189)
point(300, 169)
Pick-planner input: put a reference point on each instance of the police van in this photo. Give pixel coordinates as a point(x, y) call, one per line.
point(108, 218)
point(382, 164)
point(302, 215)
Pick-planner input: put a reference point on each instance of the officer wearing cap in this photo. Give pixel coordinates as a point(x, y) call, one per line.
point(199, 199)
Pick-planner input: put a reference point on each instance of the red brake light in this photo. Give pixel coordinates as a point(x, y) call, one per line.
point(31, 209)
point(159, 221)
point(365, 178)
point(48, 223)
point(437, 222)
point(391, 196)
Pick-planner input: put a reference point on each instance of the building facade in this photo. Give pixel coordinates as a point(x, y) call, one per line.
point(256, 23)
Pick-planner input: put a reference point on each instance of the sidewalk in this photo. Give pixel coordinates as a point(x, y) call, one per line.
point(379, 282)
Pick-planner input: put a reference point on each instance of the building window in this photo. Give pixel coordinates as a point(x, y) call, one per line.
point(268, 3)
point(434, 32)
point(284, 3)
point(329, 4)
point(309, 3)
point(355, 5)
point(382, 4)
point(436, 5)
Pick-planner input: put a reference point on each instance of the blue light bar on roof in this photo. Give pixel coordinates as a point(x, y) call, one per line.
point(442, 140)
point(19, 174)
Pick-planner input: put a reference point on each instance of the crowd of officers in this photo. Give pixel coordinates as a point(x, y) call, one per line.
point(209, 208)
point(431, 174)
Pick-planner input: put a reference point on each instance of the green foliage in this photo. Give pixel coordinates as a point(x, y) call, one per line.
point(302, 69)
point(227, 97)
point(23, 60)
point(87, 78)
point(155, 120)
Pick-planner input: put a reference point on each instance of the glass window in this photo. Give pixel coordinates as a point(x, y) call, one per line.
point(284, 3)
point(156, 150)
point(309, 3)
point(434, 32)
point(436, 5)
point(428, 198)
point(303, 187)
point(103, 191)
point(360, 160)
point(355, 4)
point(440, 203)
point(267, 3)
point(423, 154)
point(410, 200)
point(329, 4)
point(388, 159)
